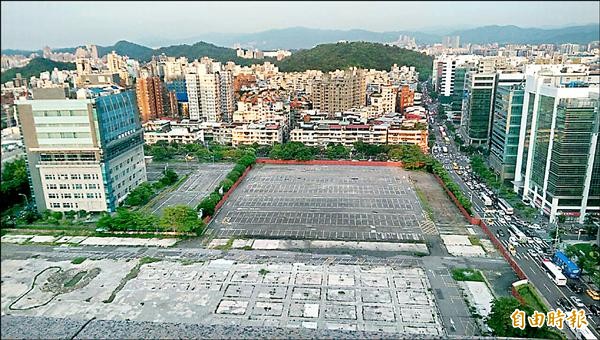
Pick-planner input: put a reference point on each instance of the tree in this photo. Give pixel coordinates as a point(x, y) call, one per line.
point(562, 218)
point(203, 155)
point(15, 183)
point(337, 151)
point(208, 204)
point(499, 319)
point(140, 195)
point(170, 177)
point(160, 153)
point(181, 218)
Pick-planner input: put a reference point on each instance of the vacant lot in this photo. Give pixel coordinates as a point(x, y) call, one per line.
point(391, 299)
point(323, 202)
point(202, 179)
point(447, 217)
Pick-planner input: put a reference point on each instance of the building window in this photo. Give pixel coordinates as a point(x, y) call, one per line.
point(78, 195)
point(87, 176)
point(89, 195)
point(52, 195)
point(63, 176)
point(51, 186)
point(77, 186)
point(66, 205)
point(92, 186)
point(75, 176)
point(66, 195)
point(55, 205)
point(64, 186)
point(48, 177)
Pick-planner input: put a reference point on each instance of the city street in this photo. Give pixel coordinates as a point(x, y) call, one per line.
point(524, 254)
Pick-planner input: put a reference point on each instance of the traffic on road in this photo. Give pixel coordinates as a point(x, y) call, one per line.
point(527, 243)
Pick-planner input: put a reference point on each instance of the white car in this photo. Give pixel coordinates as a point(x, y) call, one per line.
point(538, 240)
point(512, 239)
point(577, 301)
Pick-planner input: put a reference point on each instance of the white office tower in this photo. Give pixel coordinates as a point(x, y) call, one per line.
point(558, 160)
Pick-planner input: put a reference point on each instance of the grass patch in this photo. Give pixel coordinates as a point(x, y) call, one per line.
point(78, 260)
point(424, 203)
point(466, 274)
point(474, 240)
point(225, 246)
point(263, 272)
point(146, 260)
point(73, 281)
point(188, 262)
point(532, 297)
point(133, 273)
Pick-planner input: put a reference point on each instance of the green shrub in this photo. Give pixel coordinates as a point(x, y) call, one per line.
point(226, 184)
point(233, 175)
point(239, 168)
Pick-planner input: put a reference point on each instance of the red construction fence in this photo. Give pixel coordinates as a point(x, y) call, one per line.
point(328, 162)
point(229, 192)
point(486, 230)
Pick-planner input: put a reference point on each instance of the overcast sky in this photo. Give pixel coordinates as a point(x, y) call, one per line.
point(32, 25)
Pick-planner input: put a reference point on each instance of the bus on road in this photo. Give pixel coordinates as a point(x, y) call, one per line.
point(554, 273)
point(505, 206)
point(487, 201)
point(568, 267)
point(521, 237)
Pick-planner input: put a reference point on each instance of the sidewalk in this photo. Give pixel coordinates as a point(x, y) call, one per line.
point(89, 240)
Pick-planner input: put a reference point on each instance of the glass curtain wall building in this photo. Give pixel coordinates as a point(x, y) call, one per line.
point(477, 107)
point(559, 169)
point(83, 154)
point(508, 107)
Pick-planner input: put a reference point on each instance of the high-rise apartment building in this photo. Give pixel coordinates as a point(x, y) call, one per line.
point(444, 73)
point(451, 41)
point(558, 162)
point(150, 102)
point(83, 154)
point(504, 139)
point(210, 93)
point(339, 91)
point(384, 101)
point(405, 98)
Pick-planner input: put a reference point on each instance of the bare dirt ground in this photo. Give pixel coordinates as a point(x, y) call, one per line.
point(442, 210)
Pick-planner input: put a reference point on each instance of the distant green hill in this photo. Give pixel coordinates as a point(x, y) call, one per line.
point(34, 68)
point(127, 48)
point(203, 49)
point(329, 57)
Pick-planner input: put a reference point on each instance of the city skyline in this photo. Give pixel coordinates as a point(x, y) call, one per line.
point(200, 19)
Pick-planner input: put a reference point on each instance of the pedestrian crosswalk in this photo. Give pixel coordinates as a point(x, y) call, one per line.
point(428, 226)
